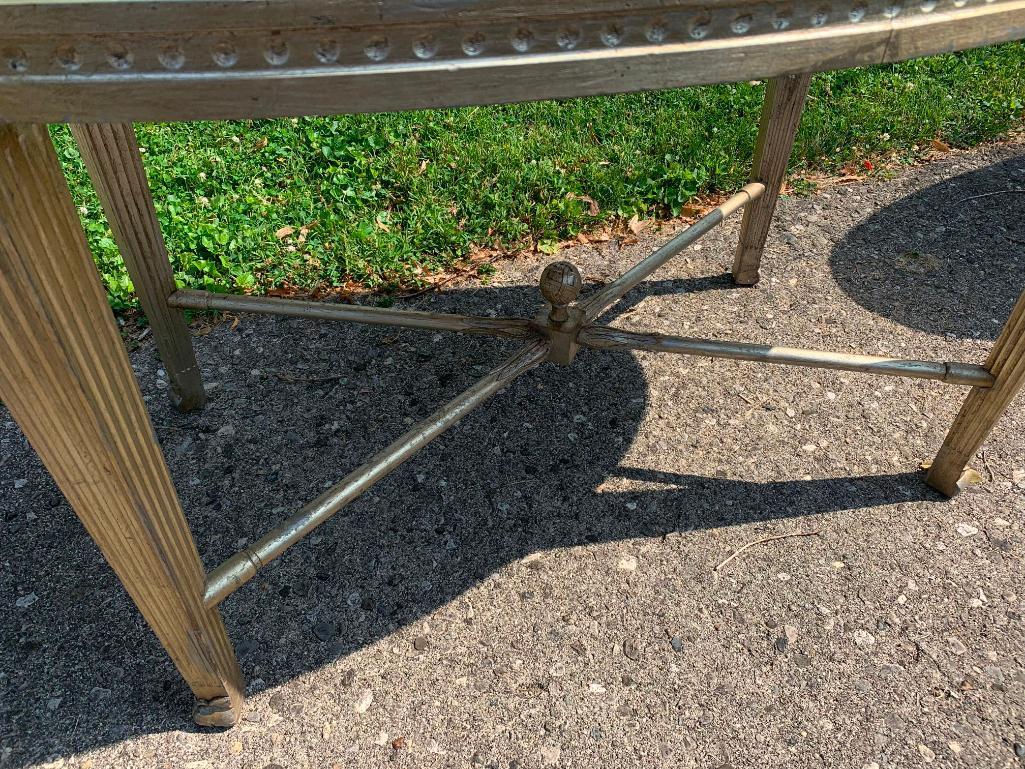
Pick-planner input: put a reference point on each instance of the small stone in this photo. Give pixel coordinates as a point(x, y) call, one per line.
point(228, 431)
point(54, 702)
point(1000, 523)
point(864, 639)
point(364, 702)
point(26, 600)
point(1019, 750)
point(630, 650)
point(398, 743)
point(277, 703)
point(420, 643)
point(781, 644)
point(235, 748)
point(965, 530)
point(99, 693)
point(627, 563)
point(791, 633)
point(579, 648)
point(550, 755)
point(802, 660)
point(596, 688)
point(677, 643)
point(927, 753)
point(624, 710)
point(956, 646)
point(809, 448)
point(348, 678)
point(955, 747)
point(325, 631)
point(20, 483)
point(353, 600)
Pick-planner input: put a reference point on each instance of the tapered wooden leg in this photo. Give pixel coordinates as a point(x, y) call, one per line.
point(66, 378)
point(781, 114)
point(111, 153)
point(983, 407)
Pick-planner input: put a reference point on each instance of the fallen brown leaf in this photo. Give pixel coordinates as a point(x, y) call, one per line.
point(637, 225)
point(593, 209)
point(284, 232)
point(940, 145)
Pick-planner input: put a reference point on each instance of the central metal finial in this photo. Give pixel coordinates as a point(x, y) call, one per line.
point(560, 285)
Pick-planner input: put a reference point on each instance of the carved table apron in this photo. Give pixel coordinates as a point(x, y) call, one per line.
point(101, 64)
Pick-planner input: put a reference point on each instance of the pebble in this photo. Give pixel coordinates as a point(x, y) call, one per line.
point(325, 631)
point(228, 431)
point(420, 643)
point(627, 563)
point(677, 643)
point(1019, 750)
point(20, 483)
point(782, 643)
point(927, 753)
point(956, 646)
point(26, 600)
point(550, 755)
point(276, 703)
point(863, 638)
point(966, 530)
point(364, 702)
point(630, 650)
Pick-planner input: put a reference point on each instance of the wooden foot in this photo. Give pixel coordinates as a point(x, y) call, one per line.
point(111, 153)
point(781, 114)
point(66, 378)
point(983, 407)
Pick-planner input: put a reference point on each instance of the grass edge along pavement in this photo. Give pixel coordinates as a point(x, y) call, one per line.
point(391, 201)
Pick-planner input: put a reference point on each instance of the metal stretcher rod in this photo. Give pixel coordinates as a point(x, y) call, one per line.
point(595, 304)
point(607, 338)
point(241, 567)
point(379, 316)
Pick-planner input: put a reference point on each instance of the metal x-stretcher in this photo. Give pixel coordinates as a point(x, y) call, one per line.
point(100, 64)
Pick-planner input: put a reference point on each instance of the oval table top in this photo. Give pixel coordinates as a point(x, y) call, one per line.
point(140, 60)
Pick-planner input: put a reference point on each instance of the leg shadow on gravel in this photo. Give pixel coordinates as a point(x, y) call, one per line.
point(946, 260)
point(294, 406)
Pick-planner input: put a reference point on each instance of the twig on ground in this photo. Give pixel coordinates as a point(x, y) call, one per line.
point(989, 194)
point(985, 462)
point(763, 541)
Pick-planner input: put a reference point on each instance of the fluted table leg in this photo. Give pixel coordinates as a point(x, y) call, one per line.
point(66, 379)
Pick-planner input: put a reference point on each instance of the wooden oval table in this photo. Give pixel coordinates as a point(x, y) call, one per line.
point(101, 64)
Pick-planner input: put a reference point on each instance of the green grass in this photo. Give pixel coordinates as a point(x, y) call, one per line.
point(390, 198)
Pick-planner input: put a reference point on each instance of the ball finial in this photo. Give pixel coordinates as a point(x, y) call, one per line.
point(561, 283)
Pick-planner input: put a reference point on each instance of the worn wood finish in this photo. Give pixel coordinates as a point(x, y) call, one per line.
point(781, 114)
point(67, 380)
point(120, 60)
point(111, 154)
point(983, 407)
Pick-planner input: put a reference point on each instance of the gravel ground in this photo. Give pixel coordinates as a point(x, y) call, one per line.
point(539, 587)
